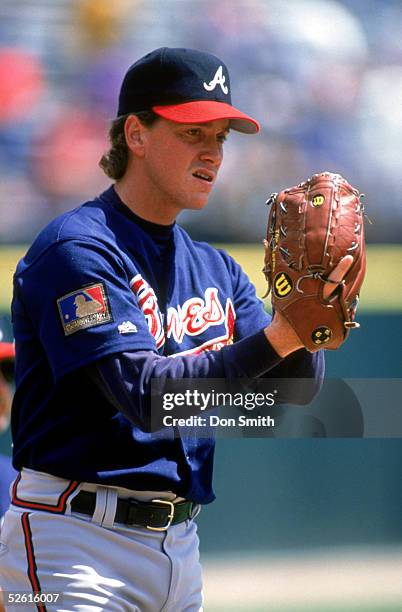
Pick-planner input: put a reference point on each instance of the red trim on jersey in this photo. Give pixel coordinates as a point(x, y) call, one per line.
point(59, 508)
point(32, 568)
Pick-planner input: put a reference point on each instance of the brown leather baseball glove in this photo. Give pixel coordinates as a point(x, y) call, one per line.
point(311, 227)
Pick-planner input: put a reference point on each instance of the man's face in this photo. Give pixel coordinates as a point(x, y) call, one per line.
point(182, 161)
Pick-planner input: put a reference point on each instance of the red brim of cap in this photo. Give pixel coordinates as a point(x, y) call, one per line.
point(202, 111)
point(7, 351)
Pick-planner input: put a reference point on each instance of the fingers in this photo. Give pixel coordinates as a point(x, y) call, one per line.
point(337, 275)
point(342, 268)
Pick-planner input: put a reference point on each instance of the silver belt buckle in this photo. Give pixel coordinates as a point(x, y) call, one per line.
point(170, 505)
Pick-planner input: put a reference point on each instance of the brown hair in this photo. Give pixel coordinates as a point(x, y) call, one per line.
point(114, 162)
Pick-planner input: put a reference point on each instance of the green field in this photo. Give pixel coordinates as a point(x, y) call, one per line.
point(381, 290)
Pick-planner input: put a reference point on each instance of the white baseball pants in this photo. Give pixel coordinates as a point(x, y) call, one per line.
point(92, 563)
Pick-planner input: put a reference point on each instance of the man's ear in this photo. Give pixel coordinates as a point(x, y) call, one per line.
point(133, 130)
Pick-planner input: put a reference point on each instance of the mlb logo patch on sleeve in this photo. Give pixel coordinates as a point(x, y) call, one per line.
point(84, 308)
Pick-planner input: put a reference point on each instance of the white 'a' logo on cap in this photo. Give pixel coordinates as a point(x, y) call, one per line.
point(219, 79)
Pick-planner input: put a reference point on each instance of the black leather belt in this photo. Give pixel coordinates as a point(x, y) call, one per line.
point(156, 515)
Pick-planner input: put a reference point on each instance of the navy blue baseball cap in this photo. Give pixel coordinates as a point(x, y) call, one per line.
point(182, 85)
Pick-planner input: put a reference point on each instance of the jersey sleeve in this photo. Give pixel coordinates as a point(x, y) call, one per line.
point(78, 299)
point(251, 317)
point(250, 313)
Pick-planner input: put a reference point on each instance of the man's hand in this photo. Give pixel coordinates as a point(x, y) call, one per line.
point(310, 227)
point(337, 275)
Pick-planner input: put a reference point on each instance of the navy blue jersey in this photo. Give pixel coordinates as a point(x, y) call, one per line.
point(98, 282)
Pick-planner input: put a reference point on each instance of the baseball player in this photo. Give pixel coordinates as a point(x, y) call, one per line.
point(111, 295)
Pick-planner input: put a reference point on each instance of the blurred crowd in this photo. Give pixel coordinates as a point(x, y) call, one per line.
point(324, 78)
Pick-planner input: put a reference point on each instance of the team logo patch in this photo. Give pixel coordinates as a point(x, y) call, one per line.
point(283, 285)
point(321, 335)
point(318, 200)
point(84, 308)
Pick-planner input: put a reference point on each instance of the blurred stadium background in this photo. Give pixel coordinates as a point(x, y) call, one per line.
point(299, 525)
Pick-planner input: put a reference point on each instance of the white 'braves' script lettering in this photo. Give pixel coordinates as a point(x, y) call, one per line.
point(219, 79)
point(194, 317)
point(148, 303)
point(218, 342)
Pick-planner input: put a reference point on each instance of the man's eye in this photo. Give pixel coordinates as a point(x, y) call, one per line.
point(221, 137)
point(193, 132)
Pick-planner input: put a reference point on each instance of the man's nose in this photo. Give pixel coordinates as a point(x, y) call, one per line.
point(212, 153)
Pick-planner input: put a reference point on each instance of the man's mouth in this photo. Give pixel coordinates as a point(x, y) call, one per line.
point(203, 176)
